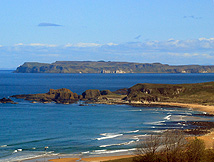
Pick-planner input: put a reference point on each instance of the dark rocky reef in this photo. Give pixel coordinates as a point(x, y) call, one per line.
point(7, 100)
point(64, 96)
point(199, 127)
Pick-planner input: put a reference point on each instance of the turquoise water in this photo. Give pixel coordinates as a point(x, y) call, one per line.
point(26, 128)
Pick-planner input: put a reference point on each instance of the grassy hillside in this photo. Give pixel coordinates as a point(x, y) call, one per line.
point(201, 93)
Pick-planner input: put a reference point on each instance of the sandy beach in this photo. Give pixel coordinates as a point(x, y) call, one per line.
point(205, 108)
point(92, 159)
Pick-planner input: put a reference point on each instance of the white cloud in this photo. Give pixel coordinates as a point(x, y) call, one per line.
point(36, 44)
point(89, 45)
point(111, 44)
point(208, 56)
point(205, 39)
point(191, 55)
point(43, 45)
point(83, 45)
point(19, 44)
point(172, 51)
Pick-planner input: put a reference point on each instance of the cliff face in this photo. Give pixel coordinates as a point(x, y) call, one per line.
point(109, 67)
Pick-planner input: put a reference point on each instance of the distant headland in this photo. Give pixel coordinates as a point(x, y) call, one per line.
point(109, 67)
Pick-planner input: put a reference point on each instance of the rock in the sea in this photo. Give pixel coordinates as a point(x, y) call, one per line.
point(7, 100)
point(64, 96)
point(91, 94)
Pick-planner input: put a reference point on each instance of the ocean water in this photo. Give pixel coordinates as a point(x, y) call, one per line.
point(26, 128)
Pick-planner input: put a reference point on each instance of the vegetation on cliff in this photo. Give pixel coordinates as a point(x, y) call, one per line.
point(109, 67)
point(201, 93)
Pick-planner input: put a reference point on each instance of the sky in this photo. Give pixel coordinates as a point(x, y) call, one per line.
point(174, 32)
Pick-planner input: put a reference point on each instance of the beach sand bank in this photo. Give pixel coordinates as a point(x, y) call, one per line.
point(205, 108)
point(92, 159)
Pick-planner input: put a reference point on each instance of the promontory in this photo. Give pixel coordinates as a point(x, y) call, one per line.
point(109, 67)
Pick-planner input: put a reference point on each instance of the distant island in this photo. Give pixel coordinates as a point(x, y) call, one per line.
point(109, 67)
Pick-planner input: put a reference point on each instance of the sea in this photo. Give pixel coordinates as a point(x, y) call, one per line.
point(30, 130)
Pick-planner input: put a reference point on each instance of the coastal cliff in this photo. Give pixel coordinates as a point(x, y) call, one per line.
point(109, 67)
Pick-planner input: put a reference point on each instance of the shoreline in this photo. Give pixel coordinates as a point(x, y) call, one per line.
point(92, 159)
point(208, 138)
point(204, 108)
point(79, 157)
point(209, 109)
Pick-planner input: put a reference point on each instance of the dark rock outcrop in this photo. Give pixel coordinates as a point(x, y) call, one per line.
point(64, 96)
point(7, 100)
point(106, 92)
point(91, 94)
point(123, 91)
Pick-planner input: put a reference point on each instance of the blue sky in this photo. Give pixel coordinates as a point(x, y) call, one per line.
point(166, 31)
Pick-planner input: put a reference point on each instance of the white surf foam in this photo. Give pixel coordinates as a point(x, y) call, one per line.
point(140, 136)
point(26, 155)
point(135, 131)
point(119, 144)
point(155, 123)
point(136, 110)
point(112, 151)
point(3, 146)
point(167, 117)
point(18, 150)
point(108, 136)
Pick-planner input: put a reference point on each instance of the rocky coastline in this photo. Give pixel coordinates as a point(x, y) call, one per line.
point(7, 100)
point(145, 94)
point(141, 95)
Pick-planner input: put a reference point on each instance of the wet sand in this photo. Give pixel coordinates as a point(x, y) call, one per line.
point(92, 159)
point(205, 108)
